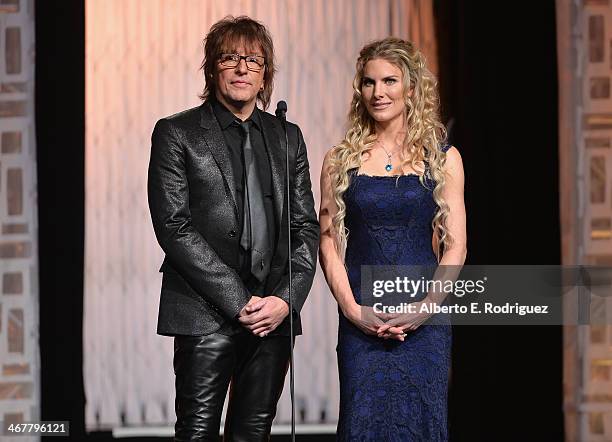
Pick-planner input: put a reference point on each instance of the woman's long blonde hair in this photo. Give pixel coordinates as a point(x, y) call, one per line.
point(424, 135)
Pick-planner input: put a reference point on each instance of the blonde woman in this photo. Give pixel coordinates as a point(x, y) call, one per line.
point(391, 194)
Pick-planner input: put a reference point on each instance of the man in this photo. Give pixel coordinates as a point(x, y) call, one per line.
point(217, 196)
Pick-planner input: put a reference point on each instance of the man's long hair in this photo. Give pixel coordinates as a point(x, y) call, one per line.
point(226, 36)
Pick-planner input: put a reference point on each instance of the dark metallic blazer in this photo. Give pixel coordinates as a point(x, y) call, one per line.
point(193, 206)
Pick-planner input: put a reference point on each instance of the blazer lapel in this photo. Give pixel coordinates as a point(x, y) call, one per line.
point(213, 137)
point(276, 145)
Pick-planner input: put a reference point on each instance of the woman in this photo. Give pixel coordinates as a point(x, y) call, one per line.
point(391, 194)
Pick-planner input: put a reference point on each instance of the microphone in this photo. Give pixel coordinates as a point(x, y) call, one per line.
point(281, 111)
point(281, 114)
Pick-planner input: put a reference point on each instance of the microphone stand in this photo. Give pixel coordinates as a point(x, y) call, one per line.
point(281, 113)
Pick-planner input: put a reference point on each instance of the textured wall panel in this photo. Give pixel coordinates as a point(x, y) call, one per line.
point(585, 71)
point(11, 142)
point(142, 60)
point(600, 87)
point(13, 50)
point(596, 38)
point(12, 283)
point(19, 353)
point(596, 115)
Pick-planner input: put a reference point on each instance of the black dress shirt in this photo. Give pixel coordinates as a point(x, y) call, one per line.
point(234, 138)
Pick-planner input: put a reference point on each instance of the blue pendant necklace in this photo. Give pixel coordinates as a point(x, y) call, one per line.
point(388, 166)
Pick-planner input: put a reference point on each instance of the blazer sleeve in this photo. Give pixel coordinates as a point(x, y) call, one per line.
point(304, 233)
point(186, 249)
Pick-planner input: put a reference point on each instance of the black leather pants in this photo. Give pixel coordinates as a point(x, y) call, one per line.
point(204, 366)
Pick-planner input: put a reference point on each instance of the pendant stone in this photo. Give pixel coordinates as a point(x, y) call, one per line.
point(388, 167)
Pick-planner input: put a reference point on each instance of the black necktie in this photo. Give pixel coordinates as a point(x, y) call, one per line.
point(255, 226)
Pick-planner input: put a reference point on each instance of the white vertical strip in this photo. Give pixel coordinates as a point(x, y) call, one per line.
point(19, 325)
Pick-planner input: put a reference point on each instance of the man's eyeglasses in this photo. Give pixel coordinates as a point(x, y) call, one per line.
point(253, 62)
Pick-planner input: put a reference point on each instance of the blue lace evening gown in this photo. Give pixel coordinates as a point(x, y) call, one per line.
point(391, 390)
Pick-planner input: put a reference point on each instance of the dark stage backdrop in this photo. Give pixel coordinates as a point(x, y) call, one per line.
point(498, 77)
point(60, 137)
point(498, 73)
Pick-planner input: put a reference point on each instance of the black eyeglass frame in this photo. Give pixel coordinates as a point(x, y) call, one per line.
point(237, 58)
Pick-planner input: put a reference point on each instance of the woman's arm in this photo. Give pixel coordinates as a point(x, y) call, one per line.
point(332, 264)
point(454, 256)
point(453, 195)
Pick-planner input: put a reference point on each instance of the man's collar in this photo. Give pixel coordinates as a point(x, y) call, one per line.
point(226, 118)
